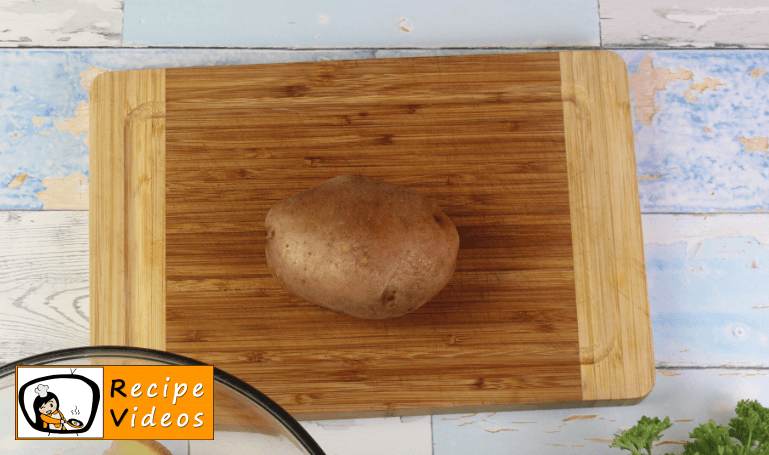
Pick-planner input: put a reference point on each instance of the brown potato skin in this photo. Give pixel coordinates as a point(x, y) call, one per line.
point(361, 247)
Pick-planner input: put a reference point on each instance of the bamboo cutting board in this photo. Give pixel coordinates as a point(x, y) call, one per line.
point(530, 155)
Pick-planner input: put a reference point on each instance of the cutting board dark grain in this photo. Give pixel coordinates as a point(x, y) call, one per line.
point(530, 155)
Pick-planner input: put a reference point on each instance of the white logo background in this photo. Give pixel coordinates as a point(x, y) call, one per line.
point(75, 397)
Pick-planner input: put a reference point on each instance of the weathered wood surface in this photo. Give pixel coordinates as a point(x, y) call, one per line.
point(689, 397)
point(684, 23)
point(54, 23)
point(44, 302)
point(380, 24)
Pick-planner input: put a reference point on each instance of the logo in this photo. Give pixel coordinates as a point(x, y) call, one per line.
point(59, 402)
point(114, 402)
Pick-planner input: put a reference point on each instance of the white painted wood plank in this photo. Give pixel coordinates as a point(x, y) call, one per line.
point(692, 230)
point(684, 23)
point(58, 23)
point(43, 282)
point(381, 436)
point(688, 397)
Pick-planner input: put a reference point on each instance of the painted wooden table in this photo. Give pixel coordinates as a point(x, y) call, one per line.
point(702, 148)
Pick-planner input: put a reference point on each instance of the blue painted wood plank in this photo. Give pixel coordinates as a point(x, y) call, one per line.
point(688, 397)
point(375, 23)
point(708, 281)
point(701, 126)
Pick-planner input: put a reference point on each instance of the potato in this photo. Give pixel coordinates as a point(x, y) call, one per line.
point(361, 247)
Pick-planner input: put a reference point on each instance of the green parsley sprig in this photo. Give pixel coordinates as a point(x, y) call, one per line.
point(748, 433)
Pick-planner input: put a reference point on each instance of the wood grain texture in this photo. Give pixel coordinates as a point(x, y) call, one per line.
point(127, 205)
point(481, 135)
point(484, 137)
point(616, 350)
point(43, 282)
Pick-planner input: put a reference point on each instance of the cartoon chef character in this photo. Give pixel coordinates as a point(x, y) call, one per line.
point(47, 410)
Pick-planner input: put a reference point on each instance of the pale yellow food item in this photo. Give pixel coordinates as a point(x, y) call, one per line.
point(143, 447)
point(361, 247)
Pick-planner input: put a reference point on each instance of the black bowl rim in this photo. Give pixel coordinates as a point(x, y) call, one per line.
point(272, 408)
